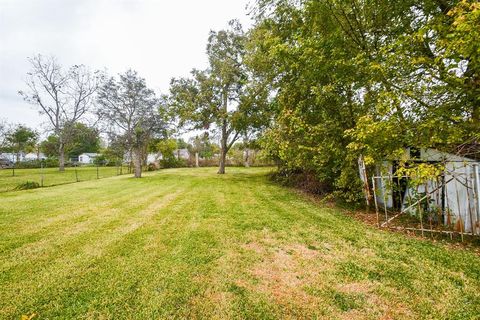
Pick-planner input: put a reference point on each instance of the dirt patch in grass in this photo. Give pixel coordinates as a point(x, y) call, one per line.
point(301, 279)
point(356, 287)
point(282, 275)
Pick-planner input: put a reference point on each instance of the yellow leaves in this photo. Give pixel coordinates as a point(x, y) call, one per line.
point(420, 60)
point(422, 172)
point(30, 317)
point(369, 160)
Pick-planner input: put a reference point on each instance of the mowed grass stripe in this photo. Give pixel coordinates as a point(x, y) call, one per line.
point(187, 243)
point(136, 257)
point(93, 267)
point(103, 229)
point(71, 217)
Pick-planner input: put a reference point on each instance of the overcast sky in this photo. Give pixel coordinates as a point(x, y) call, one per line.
point(158, 38)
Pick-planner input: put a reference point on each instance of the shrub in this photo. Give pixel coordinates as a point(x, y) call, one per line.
point(173, 163)
point(301, 179)
point(27, 185)
point(100, 160)
point(151, 167)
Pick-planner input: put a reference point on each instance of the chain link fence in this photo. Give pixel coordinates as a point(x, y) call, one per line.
point(20, 179)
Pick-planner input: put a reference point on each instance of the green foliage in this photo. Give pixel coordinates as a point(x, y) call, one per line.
point(21, 139)
point(224, 97)
point(117, 147)
point(365, 78)
point(49, 146)
point(206, 149)
point(28, 185)
point(82, 139)
point(100, 160)
point(130, 108)
point(181, 144)
point(168, 147)
point(46, 163)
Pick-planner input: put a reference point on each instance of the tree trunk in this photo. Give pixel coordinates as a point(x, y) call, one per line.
point(247, 158)
point(196, 159)
point(61, 157)
point(223, 160)
point(138, 164)
point(130, 161)
point(18, 157)
point(223, 149)
point(223, 146)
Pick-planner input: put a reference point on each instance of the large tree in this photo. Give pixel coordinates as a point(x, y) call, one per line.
point(211, 98)
point(63, 96)
point(21, 139)
point(130, 110)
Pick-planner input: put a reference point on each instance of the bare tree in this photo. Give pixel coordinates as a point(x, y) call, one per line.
point(130, 109)
point(64, 97)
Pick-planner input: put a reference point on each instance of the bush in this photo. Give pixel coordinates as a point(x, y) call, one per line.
point(100, 160)
point(173, 163)
point(152, 167)
point(202, 162)
point(306, 181)
point(27, 185)
point(27, 164)
point(33, 164)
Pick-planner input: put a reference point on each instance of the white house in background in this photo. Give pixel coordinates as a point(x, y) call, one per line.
point(182, 154)
point(154, 157)
point(23, 156)
point(34, 156)
point(87, 158)
point(11, 156)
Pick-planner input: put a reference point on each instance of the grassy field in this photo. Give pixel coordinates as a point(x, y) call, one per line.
point(52, 177)
point(187, 243)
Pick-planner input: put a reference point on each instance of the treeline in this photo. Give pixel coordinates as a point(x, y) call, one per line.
point(369, 78)
point(17, 141)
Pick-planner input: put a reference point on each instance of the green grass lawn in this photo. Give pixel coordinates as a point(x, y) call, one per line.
point(187, 243)
point(51, 176)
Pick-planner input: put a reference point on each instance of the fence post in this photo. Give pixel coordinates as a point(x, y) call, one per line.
point(375, 199)
point(41, 174)
point(476, 182)
point(76, 173)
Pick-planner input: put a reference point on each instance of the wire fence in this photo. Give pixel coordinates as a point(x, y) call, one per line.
point(20, 179)
point(449, 203)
